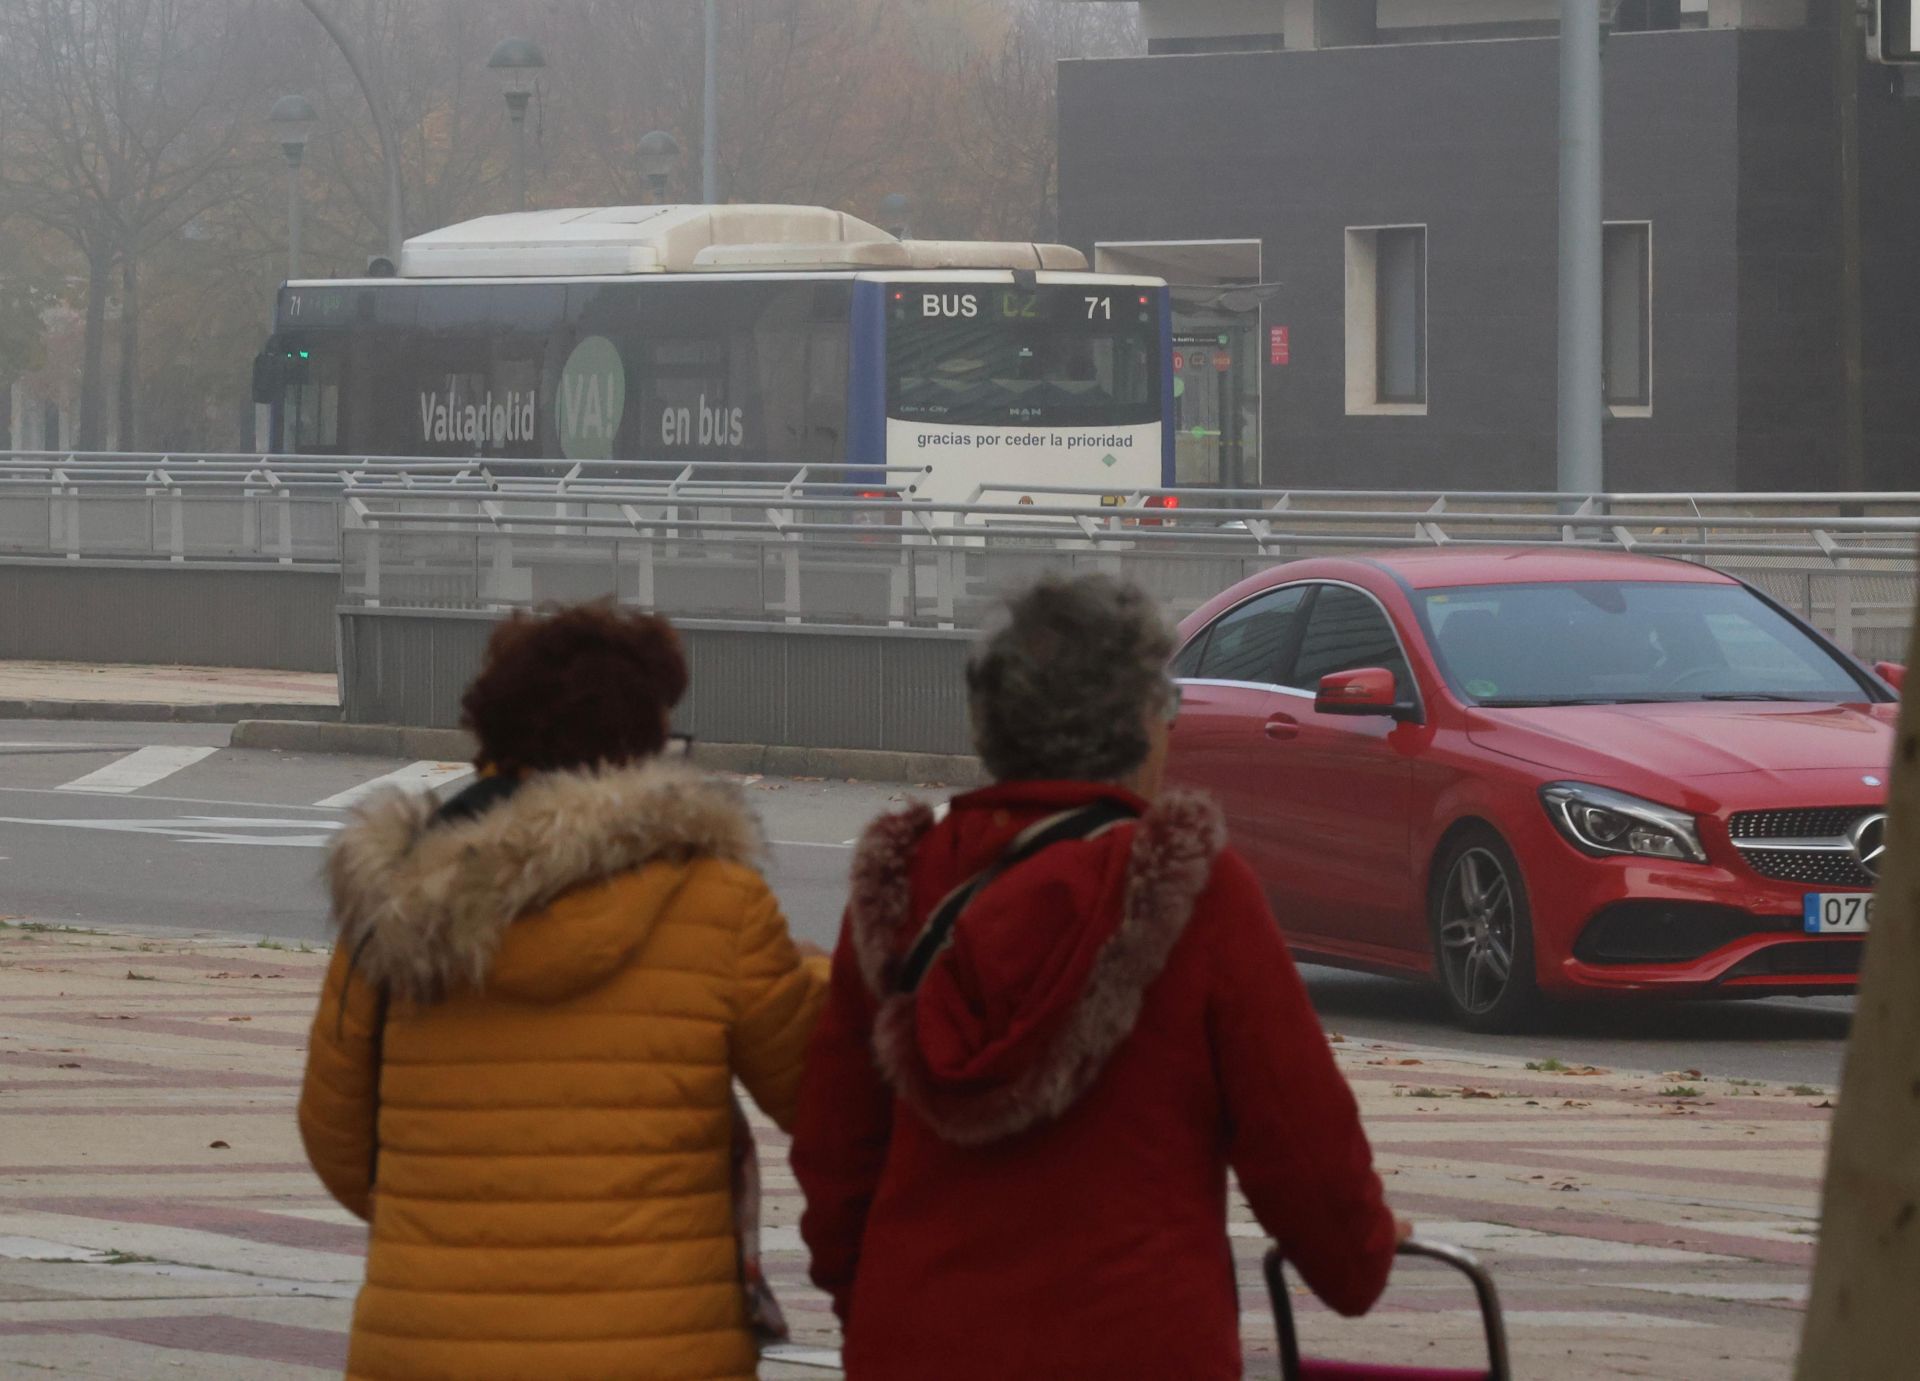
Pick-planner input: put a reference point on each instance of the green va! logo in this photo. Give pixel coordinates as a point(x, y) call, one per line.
point(593, 396)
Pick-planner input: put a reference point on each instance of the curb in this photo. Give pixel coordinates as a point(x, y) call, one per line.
point(158, 712)
point(747, 759)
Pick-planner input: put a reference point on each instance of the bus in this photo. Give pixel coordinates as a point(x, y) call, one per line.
point(783, 336)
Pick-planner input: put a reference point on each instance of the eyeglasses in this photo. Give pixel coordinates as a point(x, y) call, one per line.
point(678, 746)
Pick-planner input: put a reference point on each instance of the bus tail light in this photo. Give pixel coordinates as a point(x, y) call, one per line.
point(1160, 501)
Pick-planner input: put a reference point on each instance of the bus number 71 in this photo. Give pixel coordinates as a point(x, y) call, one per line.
point(1101, 307)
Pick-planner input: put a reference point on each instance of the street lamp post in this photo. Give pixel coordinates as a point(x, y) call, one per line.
point(389, 150)
point(292, 119)
point(659, 152)
point(710, 110)
point(518, 61)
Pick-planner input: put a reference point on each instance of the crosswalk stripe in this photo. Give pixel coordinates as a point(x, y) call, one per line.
point(418, 776)
point(142, 767)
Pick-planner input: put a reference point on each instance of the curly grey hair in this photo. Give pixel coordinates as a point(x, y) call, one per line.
point(1062, 689)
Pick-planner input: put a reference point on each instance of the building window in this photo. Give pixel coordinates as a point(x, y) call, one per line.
point(1646, 16)
point(1387, 319)
point(1627, 314)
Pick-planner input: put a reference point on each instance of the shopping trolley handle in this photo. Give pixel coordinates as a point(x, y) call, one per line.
point(1499, 1367)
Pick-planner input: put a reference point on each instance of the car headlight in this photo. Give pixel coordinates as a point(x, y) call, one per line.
point(1598, 821)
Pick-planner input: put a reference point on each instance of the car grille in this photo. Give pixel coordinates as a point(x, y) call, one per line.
point(1828, 862)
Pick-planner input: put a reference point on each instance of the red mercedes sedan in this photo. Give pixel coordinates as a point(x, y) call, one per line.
point(1540, 774)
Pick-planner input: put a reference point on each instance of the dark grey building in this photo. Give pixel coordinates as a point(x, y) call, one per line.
point(1359, 200)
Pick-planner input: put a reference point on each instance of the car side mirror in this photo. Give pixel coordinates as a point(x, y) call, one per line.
point(1893, 673)
point(1366, 691)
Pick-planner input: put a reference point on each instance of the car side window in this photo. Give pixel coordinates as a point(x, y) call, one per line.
point(1248, 642)
point(1348, 630)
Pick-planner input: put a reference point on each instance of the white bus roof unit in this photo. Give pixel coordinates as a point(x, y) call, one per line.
point(587, 242)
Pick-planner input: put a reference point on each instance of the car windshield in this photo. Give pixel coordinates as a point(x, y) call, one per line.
point(1598, 643)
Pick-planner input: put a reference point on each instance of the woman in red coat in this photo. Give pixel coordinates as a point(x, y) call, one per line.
point(1014, 1133)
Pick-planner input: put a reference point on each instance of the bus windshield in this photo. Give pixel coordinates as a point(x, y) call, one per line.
point(1081, 355)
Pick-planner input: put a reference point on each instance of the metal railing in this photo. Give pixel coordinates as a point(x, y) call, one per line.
point(787, 543)
point(806, 558)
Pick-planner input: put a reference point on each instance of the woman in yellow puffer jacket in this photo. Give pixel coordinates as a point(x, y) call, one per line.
point(522, 1066)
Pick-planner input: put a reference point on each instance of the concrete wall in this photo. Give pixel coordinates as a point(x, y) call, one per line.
point(1723, 139)
point(887, 690)
point(267, 617)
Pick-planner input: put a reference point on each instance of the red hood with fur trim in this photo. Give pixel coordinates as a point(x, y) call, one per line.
point(1043, 978)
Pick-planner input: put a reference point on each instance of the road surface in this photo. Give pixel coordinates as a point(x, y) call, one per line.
point(162, 825)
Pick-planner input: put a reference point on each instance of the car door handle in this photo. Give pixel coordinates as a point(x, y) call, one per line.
point(1282, 726)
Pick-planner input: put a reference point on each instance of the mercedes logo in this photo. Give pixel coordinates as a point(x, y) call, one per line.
point(1868, 838)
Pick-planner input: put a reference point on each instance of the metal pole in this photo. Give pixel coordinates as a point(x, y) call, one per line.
point(1582, 369)
point(518, 114)
point(389, 151)
point(1846, 81)
point(710, 111)
point(293, 213)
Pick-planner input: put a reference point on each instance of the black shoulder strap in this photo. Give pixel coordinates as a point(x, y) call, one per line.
point(1082, 823)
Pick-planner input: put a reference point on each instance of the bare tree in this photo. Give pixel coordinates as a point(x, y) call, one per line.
point(1006, 118)
point(119, 114)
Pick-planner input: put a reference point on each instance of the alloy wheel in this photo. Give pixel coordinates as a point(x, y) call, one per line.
point(1477, 930)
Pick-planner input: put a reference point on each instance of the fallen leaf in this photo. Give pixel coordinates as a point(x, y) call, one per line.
point(1572, 1103)
point(1335, 1038)
point(239, 1018)
point(1466, 1092)
point(218, 1146)
point(806, 779)
point(1409, 1062)
point(67, 1066)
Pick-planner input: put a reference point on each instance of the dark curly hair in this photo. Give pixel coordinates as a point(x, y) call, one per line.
point(1061, 691)
point(573, 687)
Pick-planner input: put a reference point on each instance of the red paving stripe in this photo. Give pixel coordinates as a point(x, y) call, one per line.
point(230, 963)
point(250, 1225)
point(93, 1064)
point(272, 1109)
point(1693, 1237)
point(212, 1029)
point(1510, 1156)
point(219, 1335)
point(224, 1167)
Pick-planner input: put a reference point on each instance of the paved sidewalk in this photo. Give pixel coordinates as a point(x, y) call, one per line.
point(157, 1217)
point(70, 682)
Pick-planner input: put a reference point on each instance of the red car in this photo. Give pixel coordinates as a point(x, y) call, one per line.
point(1530, 773)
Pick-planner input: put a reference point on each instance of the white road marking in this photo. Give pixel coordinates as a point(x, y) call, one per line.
point(796, 1356)
point(418, 776)
point(206, 829)
point(142, 767)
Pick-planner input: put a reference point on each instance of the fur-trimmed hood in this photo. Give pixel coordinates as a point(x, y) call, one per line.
point(425, 907)
point(1045, 972)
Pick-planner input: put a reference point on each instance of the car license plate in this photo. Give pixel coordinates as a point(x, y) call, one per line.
point(1838, 913)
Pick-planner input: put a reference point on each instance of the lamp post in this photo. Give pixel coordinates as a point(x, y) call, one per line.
point(659, 152)
point(710, 109)
point(292, 118)
point(518, 61)
point(389, 150)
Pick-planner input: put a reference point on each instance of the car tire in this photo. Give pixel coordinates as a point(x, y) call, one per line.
point(1482, 928)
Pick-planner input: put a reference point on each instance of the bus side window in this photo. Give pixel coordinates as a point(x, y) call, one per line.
point(826, 388)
